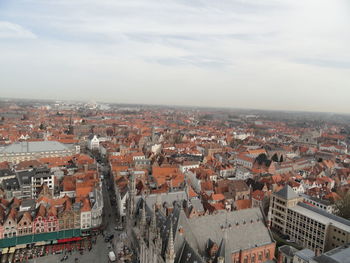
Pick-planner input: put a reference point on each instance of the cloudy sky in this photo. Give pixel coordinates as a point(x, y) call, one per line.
point(268, 54)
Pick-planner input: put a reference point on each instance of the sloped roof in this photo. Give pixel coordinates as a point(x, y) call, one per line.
point(287, 193)
point(246, 229)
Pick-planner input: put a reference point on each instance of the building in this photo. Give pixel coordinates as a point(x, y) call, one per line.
point(42, 177)
point(336, 255)
point(303, 256)
point(96, 199)
point(320, 203)
point(288, 254)
point(308, 226)
point(6, 174)
point(93, 142)
point(164, 234)
point(24, 151)
point(85, 216)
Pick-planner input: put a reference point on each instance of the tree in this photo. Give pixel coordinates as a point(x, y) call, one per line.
point(342, 206)
point(42, 126)
point(281, 159)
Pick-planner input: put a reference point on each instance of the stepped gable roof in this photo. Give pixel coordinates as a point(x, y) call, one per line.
point(41, 211)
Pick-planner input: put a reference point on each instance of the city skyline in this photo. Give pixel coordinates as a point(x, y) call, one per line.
point(275, 55)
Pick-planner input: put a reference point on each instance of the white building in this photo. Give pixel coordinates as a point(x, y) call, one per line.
point(93, 142)
point(85, 215)
point(242, 173)
point(39, 179)
point(188, 165)
point(97, 207)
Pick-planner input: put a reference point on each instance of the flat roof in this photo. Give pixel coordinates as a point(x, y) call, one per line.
point(321, 216)
point(39, 146)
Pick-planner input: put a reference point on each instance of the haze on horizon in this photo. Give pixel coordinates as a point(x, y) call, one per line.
point(271, 54)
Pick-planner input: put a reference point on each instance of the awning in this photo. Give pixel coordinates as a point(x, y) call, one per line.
point(5, 250)
point(41, 243)
point(64, 240)
point(12, 249)
point(21, 246)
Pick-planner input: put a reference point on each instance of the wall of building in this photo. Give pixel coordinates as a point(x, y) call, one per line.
point(255, 255)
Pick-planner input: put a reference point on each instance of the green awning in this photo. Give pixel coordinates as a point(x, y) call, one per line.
point(35, 238)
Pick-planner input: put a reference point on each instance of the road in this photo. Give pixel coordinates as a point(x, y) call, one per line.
point(98, 253)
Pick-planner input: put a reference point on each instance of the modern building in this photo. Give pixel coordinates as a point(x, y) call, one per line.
point(41, 177)
point(24, 151)
point(308, 226)
point(322, 204)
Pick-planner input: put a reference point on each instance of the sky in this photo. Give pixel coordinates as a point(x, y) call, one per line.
point(261, 54)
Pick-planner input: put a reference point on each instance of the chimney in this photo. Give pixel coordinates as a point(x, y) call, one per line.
point(221, 260)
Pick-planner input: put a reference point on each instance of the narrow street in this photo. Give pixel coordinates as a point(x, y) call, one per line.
point(99, 251)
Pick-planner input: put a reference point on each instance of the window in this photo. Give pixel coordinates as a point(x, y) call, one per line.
point(260, 256)
point(245, 259)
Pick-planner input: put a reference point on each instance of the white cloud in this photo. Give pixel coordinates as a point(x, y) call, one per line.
point(11, 30)
point(249, 53)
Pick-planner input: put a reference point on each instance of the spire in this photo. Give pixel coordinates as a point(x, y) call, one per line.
point(154, 220)
point(152, 230)
point(158, 242)
point(187, 190)
point(143, 216)
point(170, 252)
point(132, 194)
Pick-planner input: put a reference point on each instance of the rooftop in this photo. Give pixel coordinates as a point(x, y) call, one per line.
point(305, 254)
point(36, 146)
point(287, 193)
point(321, 216)
point(245, 229)
point(337, 255)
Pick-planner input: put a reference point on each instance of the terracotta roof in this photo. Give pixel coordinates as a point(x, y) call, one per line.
point(86, 205)
point(52, 211)
point(243, 204)
point(41, 211)
point(217, 197)
point(258, 195)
